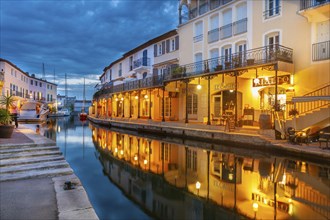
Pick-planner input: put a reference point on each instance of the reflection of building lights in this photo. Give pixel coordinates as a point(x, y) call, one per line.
point(290, 211)
point(121, 152)
point(145, 161)
point(135, 157)
point(116, 99)
point(230, 176)
point(122, 99)
point(198, 186)
point(255, 207)
point(59, 129)
point(116, 150)
point(283, 179)
point(266, 78)
point(265, 201)
point(199, 87)
point(146, 96)
point(136, 97)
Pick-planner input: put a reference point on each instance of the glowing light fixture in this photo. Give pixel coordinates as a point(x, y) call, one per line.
point(116, 99)
point(136, 97)
point(199, 87)
point(198, 186)
point(122, 98)
point(146, 96)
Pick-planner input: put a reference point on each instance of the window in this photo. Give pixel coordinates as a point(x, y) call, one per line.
point(40, 84)
point(120, 71)
point(241, 53)
point(173, 44)
point(167, 108)
point(214, 54)
point(35, 83)
point(198, 62)
point(192, 104)
point(160, 49)
point(226, 52)
point(272, 8)
point(51, 87)
point(198, 32)
point(213, 34)
point(130, 63)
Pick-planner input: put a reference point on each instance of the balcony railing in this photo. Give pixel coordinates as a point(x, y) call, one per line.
point(213, 35)
point(305, 4)
point(198, 38)
point(149, 82)
point(144, 61)
point(321, 51)
point(240, 26)
point(226, 31)
point(272, 12)
point(258, 56)
point(203, 8)
point(246, 59)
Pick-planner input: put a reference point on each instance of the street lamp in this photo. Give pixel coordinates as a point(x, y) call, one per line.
point(198, 186)
point(255, 209)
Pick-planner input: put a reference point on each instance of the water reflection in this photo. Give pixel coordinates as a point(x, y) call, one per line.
point(184, 181)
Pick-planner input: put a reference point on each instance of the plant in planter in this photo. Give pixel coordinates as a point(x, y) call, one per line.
point(6, 128)
point(293, 112)
point(218, 68)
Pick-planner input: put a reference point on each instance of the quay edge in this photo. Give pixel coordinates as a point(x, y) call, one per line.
point(244, 141)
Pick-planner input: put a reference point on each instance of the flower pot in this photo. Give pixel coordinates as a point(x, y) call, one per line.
point(6, 131)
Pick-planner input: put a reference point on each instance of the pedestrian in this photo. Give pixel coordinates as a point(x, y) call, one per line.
point(14, 115)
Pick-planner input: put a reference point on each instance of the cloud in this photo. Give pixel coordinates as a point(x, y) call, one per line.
point(79, 38)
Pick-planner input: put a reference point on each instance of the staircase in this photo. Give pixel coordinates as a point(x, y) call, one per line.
point(313, 110)
point(31, 160)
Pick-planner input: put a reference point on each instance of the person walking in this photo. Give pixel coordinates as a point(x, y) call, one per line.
point(14, 115)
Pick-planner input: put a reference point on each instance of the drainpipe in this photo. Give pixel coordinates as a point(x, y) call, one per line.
point(208, 100)
point(150, 104)
point(130, 108)
point(163, 107)
point(186, 120)
point(236, 73)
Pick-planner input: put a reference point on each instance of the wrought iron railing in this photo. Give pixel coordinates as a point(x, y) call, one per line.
point(305, 4)
point(321, 51)
point(258, 56)
point(148, 82)
point(144, 61)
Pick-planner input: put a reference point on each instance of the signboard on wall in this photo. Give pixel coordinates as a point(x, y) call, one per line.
point(224, 86)
point(267, 81)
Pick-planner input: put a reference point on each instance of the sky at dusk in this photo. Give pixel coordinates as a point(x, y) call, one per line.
point(78, 37)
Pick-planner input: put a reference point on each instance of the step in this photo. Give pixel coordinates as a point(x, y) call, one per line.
point(28, 154)
point(36, 173)
point(27, 149)
point(34, 166)
point(28, 160)
point(13, 146)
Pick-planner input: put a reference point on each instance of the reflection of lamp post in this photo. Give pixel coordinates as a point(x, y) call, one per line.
point(255, 209)
point(198, 186)
point(145, 163)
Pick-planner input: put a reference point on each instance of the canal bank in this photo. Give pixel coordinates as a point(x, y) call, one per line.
point(32, 180)
point(247, 138)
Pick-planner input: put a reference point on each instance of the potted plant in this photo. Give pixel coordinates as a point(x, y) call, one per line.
point(218, 67)
point(293, 112)
point(6, 128)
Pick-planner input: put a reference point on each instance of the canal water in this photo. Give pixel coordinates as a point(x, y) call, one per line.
point(131, 175)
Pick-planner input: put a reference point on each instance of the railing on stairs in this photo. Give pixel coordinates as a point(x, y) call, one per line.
point(309, 102)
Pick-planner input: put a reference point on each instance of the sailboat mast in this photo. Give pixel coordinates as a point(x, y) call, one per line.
point(66, 92)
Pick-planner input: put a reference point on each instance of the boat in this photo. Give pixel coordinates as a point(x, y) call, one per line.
point(33, 111)
point(61, 113)
point(83, 114)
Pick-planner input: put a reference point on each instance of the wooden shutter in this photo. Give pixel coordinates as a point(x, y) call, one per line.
point(167, 46)
point(177, 43)
point(155, 50)
point(163, 47)
point(155, 71)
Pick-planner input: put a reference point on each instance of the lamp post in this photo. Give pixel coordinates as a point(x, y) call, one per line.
point(198, 186)
point(255, 209)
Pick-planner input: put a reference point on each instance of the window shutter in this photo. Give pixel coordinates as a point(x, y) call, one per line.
point(167, 46)
point(177, 43)
point(163, 47)
point(155, 50)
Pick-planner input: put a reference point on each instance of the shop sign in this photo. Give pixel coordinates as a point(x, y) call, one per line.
point(271, 81)
point(224, 86)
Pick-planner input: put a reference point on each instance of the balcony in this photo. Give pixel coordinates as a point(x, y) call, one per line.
point(315, 10)
point(226, 31)
point(198, 38)
point(321, 51)
point(235, 28)
point(213, 35)
point(141, 64)
point(202, 9)
point(149, 82)
point(242, 60)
